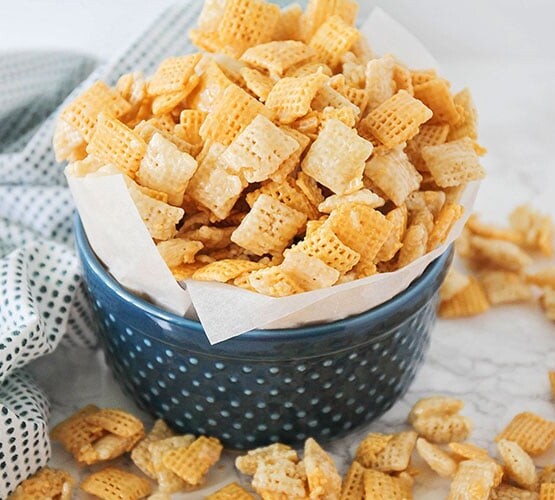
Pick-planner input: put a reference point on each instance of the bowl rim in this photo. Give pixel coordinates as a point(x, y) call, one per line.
point(375, 314)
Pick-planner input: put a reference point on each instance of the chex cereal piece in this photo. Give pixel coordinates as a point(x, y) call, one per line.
point(317, 11)
point(289, 23)
point(310, 188)
point(379, 84)
point(140, 455)
point(117, 422)
point(398, 219)
point(508, 492)
point(531, 432)
point(428, 135)
point(166, 103)
point(274, 282)
point(547, 491)
point(346, 114)
point(382, 486)
point(290, 97)
point(248, 463)
point(356, 96)
point(117, 144)
point(213, 187)
point(353, 484)
point(114, 484)
point(436, 458)
point(179, 251)
point(259, 150)
point(336, 159)
point(258, 83)
point(326, 246)
point(547, 475)
point(327, 97)
point(395, 456)
point(166, 169)
point(499, 254)
point(68, 142)
point(167, 480)
point(82, 113)
point(422, 76)
point(107, 448)
point(454, 282)
point(212, 83)
point(232, 111)
point(394, 175)
point(518, 464)
point(269, 227)
point(321, 472)
point(453, 163)
point(46, 484)
point(76, 431)
point(415, 242)
point(469, 301)
point(467, 126)
point(543, 278)
point(309, 69)
point(362, 197)
point(231, 492)
point(474, 479)
point(246, 23)
point(159, 217)
point(480, 228)
point(469, 451)
point(537, 229)
point(397, 119)
point(361, 228)
point(278, 56)
point(434, 406)
point(437, 96)
point(173, 74)
point(402, 79)
point(291, 163)
point(444, 222)
point(551, 375)
point(332, 39)
point(310, 272)
point(547, 301)
point(190, 121)
point(225, 270)
point(504, 286)
point(213, 238)
point(285, 192)
point(370, 447)
point(279, 479)
point(192, 463)
point(443, 428)
point(147, 129)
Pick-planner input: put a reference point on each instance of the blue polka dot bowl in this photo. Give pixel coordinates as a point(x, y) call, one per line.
point(266, 385)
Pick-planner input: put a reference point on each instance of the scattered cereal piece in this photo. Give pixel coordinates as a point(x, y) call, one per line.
point(531, 432)
point(231, 492)
point(507, 492)
point(381, 486)
point(469, 451)
point(474, 479)
point(436, 458)
point(113, 484)
point(141, 455)
point(332, 39)
point(469, 301)
point(353, 484)
point(443, 428)
point(279, 479)
point(536, 229)
point(454, 282)
point(47, 483)
point(323, 479)
point(518, 464)
point(435, 406)
point(499, 254)
point(504, 286)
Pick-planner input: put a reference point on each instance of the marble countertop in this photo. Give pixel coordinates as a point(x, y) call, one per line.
point(497, 363)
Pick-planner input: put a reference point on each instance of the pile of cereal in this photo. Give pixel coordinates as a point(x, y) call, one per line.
point(286, 157)
point(382, 468)
point(499, 259)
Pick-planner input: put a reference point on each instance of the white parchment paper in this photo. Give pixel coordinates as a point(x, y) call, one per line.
point(121, 240)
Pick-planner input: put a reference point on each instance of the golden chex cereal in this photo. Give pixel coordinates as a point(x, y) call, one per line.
point(454, 282)
point(107, 448)
point(82, 113)
point(433, 406)
point(362, 197)
point(258, 83)
point(321, 472)
point(317, 11)
point(330, 163)
point(232, 111)
point(212, 83)
point(398, 219)
point(68, 142)
point(499, 254)
point(474, 479)
point(140, 455)
point(547, 475)
point(438, 460)
point(397, 119)
point(173, 74)
point(117, 422)
point(444, 222)
point(115, 484)
point(395, 456)
point(258, 151)
point(543, 278)
point(531, 432)
point(537, 229)
point(380, 486)
point(467, 126)
point(147, 129)
point(443, 428)
point(165, 168)
point(248, 463)
point(279, 479)
point(547, 491)
point(469, 301)
point(402, 79)
point(353, 484)
point(274, 282)
point(192, 463)
point(504, 286)
point(491, 231)
point(518, 464)
point(309, 272)
point(415, 242)
point(46, 484)
point(379, 84)
point(370, 447)
point(453, 163)
point(190, 121)
point(436, 94)
point(291, 97)
point(225, 270)
point(231, 492)
point(508, 492)
point(289, 23)
point(179, 251)
point(167, 480)
point(428, 135)
point(269, 227)
point(278, 56)
point(332, 39)
point(115, 143)
point(394, 175)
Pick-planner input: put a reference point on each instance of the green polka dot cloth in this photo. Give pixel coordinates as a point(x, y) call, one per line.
point(42, 298)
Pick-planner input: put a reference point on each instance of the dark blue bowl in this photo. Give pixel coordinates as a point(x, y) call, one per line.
point(266, 385)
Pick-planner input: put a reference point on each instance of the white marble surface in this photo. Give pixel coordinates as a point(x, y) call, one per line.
point(497, 362)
